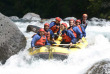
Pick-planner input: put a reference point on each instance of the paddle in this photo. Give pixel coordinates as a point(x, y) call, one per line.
point(73, 45)
point(63, 44)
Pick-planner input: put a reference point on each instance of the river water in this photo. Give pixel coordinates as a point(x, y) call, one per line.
point(98, 37)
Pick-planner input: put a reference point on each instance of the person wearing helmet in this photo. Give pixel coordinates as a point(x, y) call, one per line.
point(39, 39)
point(67, 35)
point(84, 20)
point(71, 22)
point(55, 25)
point(75, 30)
point(81, 28)
point(48, 33)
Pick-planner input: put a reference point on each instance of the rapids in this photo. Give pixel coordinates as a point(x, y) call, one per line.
point(98, 36)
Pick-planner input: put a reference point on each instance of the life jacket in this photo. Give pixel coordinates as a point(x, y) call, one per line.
point(54, 28)
point(79, 28)
point(66, 38)
point(47, 34)
point(74, 33)
point(41, 41)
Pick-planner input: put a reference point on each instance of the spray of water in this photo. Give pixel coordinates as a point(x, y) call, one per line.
point(98, 36)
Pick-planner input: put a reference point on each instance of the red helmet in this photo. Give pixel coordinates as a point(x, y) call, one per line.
point(46, 24)
point(58, 19)
point(78, 21)
point(85, 15)
point(41, 29)
point(71, 20)
point(65, 24)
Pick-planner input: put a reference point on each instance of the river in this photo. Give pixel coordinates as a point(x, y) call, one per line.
point(98, 37)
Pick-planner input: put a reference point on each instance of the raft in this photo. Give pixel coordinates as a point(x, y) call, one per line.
point(56, 52)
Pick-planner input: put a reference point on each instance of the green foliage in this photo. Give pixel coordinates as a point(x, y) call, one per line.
point(94, 7)
point(53, 8)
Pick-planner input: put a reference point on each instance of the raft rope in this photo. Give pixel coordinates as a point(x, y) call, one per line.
point(50, 49)
point(50, 53)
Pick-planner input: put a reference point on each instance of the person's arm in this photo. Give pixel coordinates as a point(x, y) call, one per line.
point(47, 43)
point(70, 34)
point(83, 31)
point(86, 23)
point(86, 26)
point(51, 24)
point(79, 32)
point(51, 33)
point(35, 38)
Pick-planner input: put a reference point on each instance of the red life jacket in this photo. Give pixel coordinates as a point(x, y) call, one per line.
point(47, 34)
point(74, 33)
point(41, 41)
point(79, 28)
point(54, 28)
point(66, 38)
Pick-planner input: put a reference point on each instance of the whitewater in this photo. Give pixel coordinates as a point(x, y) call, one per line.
point(98, 49)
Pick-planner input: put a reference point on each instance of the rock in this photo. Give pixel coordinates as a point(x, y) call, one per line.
point(68, 18)
point(102, 67)
point(31, 16)
point(32, 28)
point(11, 38)
point(43, 20)
point(48, 20)
point(14, 18)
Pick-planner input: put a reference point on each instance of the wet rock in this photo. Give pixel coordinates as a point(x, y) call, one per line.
point(48, 20)
point(68, 18)
point(14, 18)
point(43, 20)
point(32, 17)
point(32, 28)
point(102, 67)
point(11, 38)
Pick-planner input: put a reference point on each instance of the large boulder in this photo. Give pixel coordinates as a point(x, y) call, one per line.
point(31, 16)
point(102, 67)
point(68, 18)
point(14, 18)
point(11, 38)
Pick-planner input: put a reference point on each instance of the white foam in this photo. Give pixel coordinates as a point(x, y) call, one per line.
point(77, 63)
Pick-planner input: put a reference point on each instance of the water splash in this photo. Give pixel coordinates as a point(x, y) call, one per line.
point(98, 37)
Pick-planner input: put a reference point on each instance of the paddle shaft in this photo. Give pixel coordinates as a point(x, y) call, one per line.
point(63, 44)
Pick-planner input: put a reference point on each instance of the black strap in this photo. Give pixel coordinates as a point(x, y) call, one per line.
point(66, 32)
